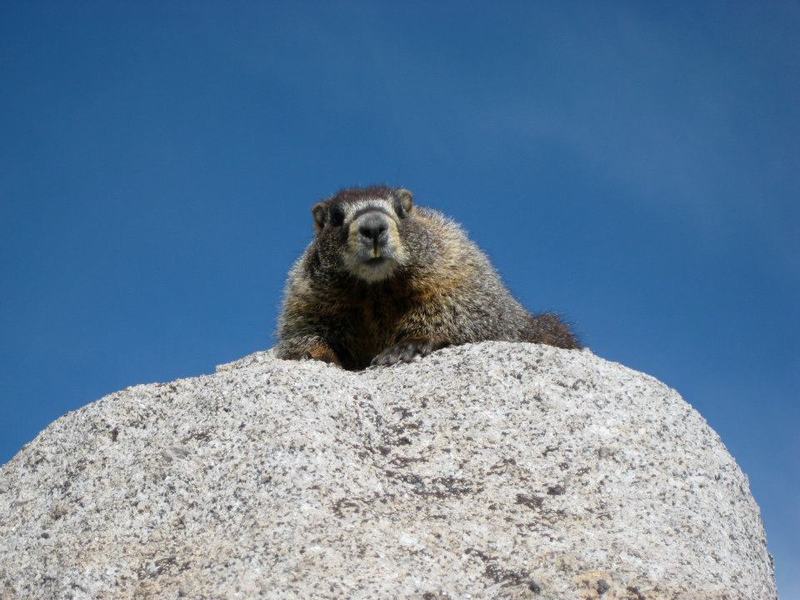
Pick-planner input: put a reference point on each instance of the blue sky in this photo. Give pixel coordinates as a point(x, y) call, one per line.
point(635, 166)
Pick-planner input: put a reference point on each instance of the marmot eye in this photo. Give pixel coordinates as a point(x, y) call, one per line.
point(337, 216)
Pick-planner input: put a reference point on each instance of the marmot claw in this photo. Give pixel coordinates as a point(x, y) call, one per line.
point(402, 352)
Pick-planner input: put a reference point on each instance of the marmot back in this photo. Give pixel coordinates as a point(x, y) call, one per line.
point(385, 281)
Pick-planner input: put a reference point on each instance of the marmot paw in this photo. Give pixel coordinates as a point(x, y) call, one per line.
point(403, 352)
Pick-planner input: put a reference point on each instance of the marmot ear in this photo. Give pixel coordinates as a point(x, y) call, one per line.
point(320, 212)
point(404, 201)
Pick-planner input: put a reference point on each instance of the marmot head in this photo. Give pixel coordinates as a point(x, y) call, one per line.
point(359, 230)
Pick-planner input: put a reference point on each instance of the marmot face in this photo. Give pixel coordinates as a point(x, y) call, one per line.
point(359, 232)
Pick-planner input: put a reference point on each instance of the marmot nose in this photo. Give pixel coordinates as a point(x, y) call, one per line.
point(373, 228)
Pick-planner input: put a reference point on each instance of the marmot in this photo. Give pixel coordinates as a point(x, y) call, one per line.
point(385, 281)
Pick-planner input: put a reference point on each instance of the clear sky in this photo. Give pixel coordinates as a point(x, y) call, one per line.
point(635, 166)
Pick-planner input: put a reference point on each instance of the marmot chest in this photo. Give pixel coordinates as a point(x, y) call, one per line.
point(370, 326)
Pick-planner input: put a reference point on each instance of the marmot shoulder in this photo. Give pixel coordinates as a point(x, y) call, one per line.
point(384, 281)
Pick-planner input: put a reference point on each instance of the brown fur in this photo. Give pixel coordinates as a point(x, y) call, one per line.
point(429, 287)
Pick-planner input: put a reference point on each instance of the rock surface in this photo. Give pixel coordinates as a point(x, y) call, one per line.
point(486, 471)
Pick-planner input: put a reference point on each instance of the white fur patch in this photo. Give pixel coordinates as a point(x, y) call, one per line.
point(354, 207)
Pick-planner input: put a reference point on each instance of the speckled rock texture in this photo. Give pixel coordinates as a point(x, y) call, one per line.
point(493, 470)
